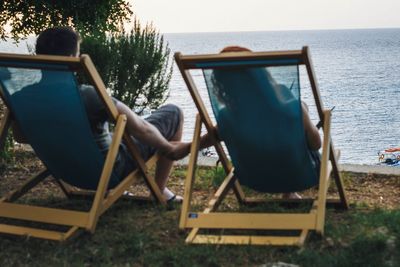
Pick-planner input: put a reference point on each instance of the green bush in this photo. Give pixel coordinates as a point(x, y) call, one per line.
point(135, 65)
point(7, 152)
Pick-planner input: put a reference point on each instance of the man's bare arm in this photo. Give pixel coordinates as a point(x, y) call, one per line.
point(144, 131)
point(312, 134)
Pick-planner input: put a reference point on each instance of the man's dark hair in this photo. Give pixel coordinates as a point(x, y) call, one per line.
point(61, 41)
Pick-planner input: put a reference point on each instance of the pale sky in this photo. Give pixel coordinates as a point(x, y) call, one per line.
point(266, 15)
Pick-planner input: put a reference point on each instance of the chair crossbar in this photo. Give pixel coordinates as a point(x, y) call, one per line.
point(248, 240)
point(215, 220)
point(38, 233)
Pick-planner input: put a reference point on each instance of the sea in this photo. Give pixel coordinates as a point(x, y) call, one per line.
point(358, 72)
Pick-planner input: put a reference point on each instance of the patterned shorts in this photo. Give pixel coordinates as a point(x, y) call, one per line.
point(167, 120)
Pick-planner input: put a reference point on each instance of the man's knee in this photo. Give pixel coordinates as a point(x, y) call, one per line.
point(177, 111)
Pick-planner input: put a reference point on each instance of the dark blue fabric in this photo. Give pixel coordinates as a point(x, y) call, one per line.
point(47, 106)
point(259, 117)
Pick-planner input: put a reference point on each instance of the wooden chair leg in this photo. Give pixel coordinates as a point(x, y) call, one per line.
point(30, 183)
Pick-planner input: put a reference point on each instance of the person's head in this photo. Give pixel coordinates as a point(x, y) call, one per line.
point(60, 41)
point(223, 79)
point(235, 49)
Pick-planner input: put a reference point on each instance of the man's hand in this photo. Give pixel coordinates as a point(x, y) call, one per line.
point(177, 150)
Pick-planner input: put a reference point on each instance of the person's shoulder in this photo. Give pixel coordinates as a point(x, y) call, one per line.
point(86, 87)
point(89, 93)
point(87, 90)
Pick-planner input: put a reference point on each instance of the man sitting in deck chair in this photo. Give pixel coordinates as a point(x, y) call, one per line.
point(272, 144)
point(160, 132)
point(311, 131)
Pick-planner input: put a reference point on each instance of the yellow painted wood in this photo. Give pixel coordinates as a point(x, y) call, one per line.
point(203, 112)
point(27, 231)
point(98, 84)
point(301, 221)
point(213, 203)
point(118, 191)
point(303, 236)
point(135, 152)
point(189, 181)
point(101, 89)
point(190, 61)
point(72, 62)
point(319, 105)
point(324, 173)
point(338, 178)
point(101, 202)
point(71, 232)
point(67, 189)
point(225, 220)
point(224, 188)
point(142, 166)
point(43, 214)
point(107, 171)
point(239, 193)
point(226, 164)
point(247, 240)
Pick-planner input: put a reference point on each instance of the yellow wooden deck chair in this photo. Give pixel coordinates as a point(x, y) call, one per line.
point(255, 98)
point(42, 96)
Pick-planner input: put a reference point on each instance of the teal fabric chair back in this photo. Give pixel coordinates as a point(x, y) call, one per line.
point(46, 103)
point(259, 117)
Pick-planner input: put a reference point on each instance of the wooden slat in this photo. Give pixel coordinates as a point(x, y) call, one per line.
point(247, 240)
point(190, 173)
point(38, 233)
point(98, 84)
point(205, 118)
point(72, 62)
point(190, 61)
point(320, 108)
point(272, 221)
point(284, 221)
point(43, 214)
point(338, 178)
point(106, 172)
point(324, 173)
point(118, 191)
point(213, 203)
point(224, 188)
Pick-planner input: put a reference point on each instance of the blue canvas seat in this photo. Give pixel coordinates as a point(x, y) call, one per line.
point(43, 97)
point(260, 121)
point(256, 102)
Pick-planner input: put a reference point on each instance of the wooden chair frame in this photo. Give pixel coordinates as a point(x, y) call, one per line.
point(210, 218)
point(103, 198)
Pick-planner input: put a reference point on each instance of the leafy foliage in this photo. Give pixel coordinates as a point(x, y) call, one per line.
point(135, 65)
point(90, 17)
point(6, 154)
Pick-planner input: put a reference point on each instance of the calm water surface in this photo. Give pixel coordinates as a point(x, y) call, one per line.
point(358, 72)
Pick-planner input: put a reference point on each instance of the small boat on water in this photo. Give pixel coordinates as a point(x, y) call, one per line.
point(389, 157)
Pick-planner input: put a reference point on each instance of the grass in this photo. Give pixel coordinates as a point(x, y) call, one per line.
point(145, 235)
point(132, 234)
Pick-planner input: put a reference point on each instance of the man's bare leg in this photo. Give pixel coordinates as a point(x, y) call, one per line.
point(164, 165)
